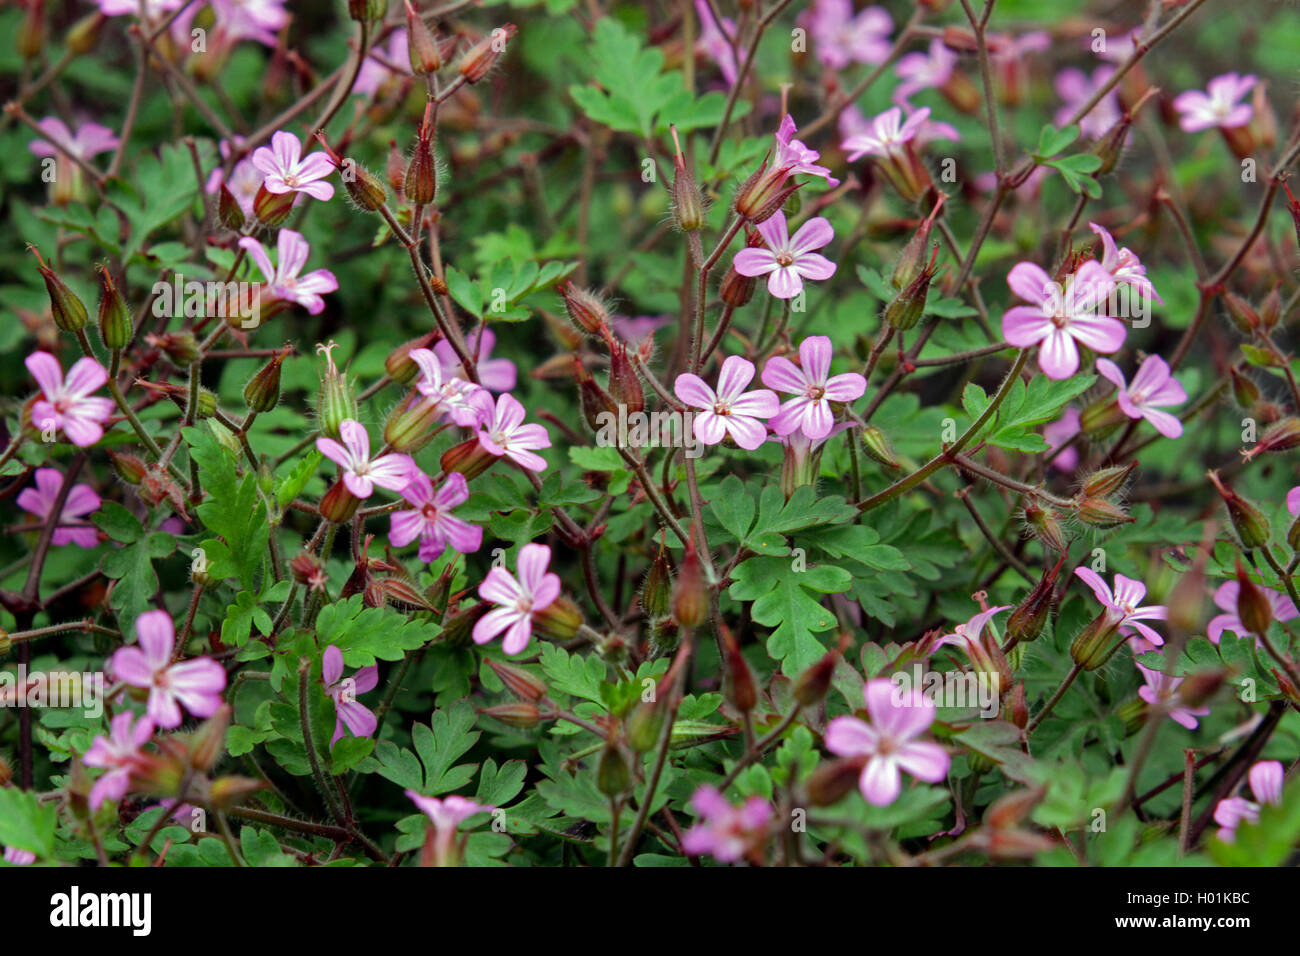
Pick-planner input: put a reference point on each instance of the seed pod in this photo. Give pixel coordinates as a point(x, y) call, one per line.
point(115, 320)
point(1247, 520)
point(763, 194)
point(262, 393)
point(67, 310)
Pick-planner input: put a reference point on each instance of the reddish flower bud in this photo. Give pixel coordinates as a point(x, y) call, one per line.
point(833, 780)
point(1247, 520)
point(624, 384)
point(1101, 513)
point(420, 183)
point(1106, 482)
point(128, 467)
point(690, 593)
point(1253, 608)
point(339, 505)
point(741, 691)
point(469, 458)
point(688, 203)
point(524, 685)
point(479, 59)
point(271, 208)
point(521, 714)
point(229, 211)
point(585, 309)
point(763, 194)
point(262, 393)
point(422, 46)
point(67, 310)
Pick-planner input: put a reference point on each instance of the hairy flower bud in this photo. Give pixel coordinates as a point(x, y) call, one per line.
point(522, 714)
point(521, 683)
point(271, 208)
point(67, 310)
point(738, 683)
point(262, 393)
point(559, 620)
point(1045, 524)
point(763, 194)
point(469, 458)
point(644, 725)
point(306, 568)
point(339, 505)
point(479, 59)
point(878, 447)
point(181, 348)
point(906, 308)
point(363, 187)
point(229, 211)
point(613, 776)
point(690, 594)
point(624, 384)
point(1107, 481)
point(1031, 615)
point(1242, 313)
point(1282, 435)
point(1244, 390)
point(1247, 520)
point(399, 365)
point(832, 781)
point(814, 683)
point(688, 203)
point(422, 46)
point(336, 402)
point(410, 424)
point(114, 317)
point(83, 36)
point(656, 588)
point(585, 309)
point(128, 467)
point(1102, 418)
point(1096, 643)
point(1253, 608)
point(1101, 513)
point(420, 184)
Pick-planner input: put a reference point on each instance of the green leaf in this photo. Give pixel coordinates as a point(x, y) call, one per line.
point(366, 634)
point(132, 568)
point(440, 743)
point(118, 523)
point(573, 674)
point(290, 486)
point(782, 600)
point(26, 824)
point(734, 509)
point(1052, 141)
point(232, 508)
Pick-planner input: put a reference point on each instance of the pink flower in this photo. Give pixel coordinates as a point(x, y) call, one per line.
point(257, 20)
point(287, 171)
point(1075, 89)
point(635, 330)
point(152, 9)
point(519, 598)
point(1225, 598)
point(794, 155)
point(787, 262)
point(81, 501)
point(715, 43)
point(1265, 780)
point(1293, 501)
point(359, 720)
point(89, 141)
point(244, 181)
point(360, 474)
point(887, 739)
point(466, 404)
point(731, 410)
point(1058, 319)
point(727, 832)
point(1152, 387)
point(887, 135)
point(813, 386)
point(118, 753)
point(1123, 265)
point(283, 281)
point(923, 71)
point(375, 72)
point(967, 636)
point(16, 857)
point(197, 683)
point(1160, 688)
point(1220, 108)
point(1058, 433)
point(503, 433)
point(430, 519)
point(496, 375)
point(840, 37)
point(447, 815)
point(67, 404)
point(1124, 603)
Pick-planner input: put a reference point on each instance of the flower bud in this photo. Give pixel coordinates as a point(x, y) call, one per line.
point(67, 310)
point(395, 168)
point(585, 309)
point(832, 781)
point(364, 188)
point(306, 568)
point(114, 319)
point(1282, 435)
point(688, 203)
point(656, 589)
point(1101, 418)
point(1198, 689)
point(613, 776)
point(559, 620)
point(270, 208)
point(911, 263)
point(1096, 643)
point(479, 59)
point(1110, 145)
point(522, 714)
point(1244, 390)
point(878, 447)
point(1045, 524)
point(83, 36)
point(1247, 520)
point(738, 684)
point(128, 467)
point(1031, 615)
point(624, 384)
point(262, 392)
point(1253, 608)
point(410, 424)
point(644, 725)
point(422, 46)
point(1019, 706)
point(336, 402)
point(208, 742)
point(763, 194)
point(1107, 481)
point(906, 308)
point(1133, 713)
point(469, 458)
point(815, 682)
point(420, 184)
point(181, 348)
point(457, 629)
point(1270, 310)
point(735, 289)
point(1241, 312)
point(228, 792)
point(229, 211)
point(523, 684)
point(339, 505)
point(1101, 513)
point(367, 11)
point(690, 594)
point(399, 365)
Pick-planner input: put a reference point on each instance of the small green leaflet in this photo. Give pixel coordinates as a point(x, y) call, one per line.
point(733, 508)
point(782, 600)
point(1024, 410)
